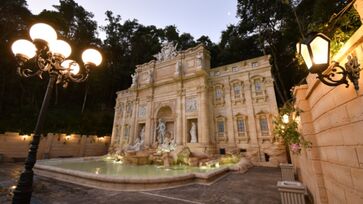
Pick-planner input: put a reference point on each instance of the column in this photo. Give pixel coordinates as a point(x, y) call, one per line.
point(252, 130)
point(179, 116)
point(149, 122)
point(133, 130)
point(229, 116)
point(115, 123)
point(203, 113)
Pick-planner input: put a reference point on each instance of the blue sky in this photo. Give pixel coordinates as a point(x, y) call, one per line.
point(197, 17)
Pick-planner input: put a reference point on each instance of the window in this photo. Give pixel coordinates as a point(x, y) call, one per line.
point(241, 125)
point(258, 86)
point(264, 126)
point(218, 93)
point(220, 125)
point(237, 90)
point(254, 64)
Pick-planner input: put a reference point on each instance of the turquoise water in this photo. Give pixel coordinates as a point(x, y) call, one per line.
point(108, 167)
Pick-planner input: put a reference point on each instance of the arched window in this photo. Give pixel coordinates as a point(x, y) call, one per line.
point(258, 86)
point(218, 94)
point(264, 126)
point(237, 89)
point(221, 128)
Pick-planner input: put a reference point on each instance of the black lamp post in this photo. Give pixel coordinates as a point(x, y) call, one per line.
point(315, 51)
point(50, 56)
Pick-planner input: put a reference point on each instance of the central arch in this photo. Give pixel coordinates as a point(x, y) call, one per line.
point(165, 113)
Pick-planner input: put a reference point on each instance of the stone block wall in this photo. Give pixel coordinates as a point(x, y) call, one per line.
point(14, 147)
point(332, 120)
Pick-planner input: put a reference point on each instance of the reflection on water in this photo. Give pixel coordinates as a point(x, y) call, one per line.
point(107, 167)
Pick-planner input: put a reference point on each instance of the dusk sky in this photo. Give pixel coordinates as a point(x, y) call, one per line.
point(197, 17)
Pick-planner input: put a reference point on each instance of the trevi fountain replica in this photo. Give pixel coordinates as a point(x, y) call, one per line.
point(181, 122)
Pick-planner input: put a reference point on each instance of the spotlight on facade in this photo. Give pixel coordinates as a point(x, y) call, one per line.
point(315, 51)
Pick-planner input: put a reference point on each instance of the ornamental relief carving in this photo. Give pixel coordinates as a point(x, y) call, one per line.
point(142, 111)
point(191, 105)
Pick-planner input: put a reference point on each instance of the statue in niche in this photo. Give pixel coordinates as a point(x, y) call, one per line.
point(193, 133)
point(168, 51)
point(139, 142)
point(134, 79)
point(161, 130)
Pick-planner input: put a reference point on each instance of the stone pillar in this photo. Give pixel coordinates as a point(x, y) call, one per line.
point(179, 117)
point(271, 97)
point(252, 126)
point(149, 122)
point(115, 122)
point(133, 131)
point(203, 115)
point(229, 116)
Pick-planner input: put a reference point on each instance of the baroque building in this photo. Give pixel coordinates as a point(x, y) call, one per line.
point(221, 110)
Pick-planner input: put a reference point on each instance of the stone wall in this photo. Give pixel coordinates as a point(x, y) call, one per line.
point(332, 120)
point(14, 147)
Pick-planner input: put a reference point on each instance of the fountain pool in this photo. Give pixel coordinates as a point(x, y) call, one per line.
point(100, 172)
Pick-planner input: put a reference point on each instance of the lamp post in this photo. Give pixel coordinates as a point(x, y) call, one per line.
point(50, 55)
point(315, 51)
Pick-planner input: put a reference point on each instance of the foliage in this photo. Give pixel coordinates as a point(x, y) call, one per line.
point(265, 27)
point(288, 131)
point(339, 28)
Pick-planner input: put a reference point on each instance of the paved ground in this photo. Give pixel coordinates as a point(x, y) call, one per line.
point(258, 185)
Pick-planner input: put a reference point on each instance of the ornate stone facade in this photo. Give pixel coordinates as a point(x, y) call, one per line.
point(228, 108)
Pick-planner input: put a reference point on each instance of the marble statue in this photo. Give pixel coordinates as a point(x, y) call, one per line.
point(161, 129)
point(139, 143)
point(168, 51)
point(134, 79)
point(193, 133)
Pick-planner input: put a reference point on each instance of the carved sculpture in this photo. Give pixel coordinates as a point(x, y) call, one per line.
point(191, 105)
point(161, 129)
point(134, 79)
point(168, 51)
point(139, 143)
point(193, 133)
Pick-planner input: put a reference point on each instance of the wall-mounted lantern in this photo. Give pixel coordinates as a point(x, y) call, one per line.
point(285, 118)
point(68, 137)
point(315, 51)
